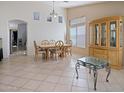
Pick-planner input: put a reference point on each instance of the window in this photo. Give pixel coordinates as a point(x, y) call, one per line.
point(77, 32)
point(73, 36)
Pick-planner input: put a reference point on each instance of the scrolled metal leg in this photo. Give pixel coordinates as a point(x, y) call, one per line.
point(95, 78)
point(76, 68)
point(108, 69)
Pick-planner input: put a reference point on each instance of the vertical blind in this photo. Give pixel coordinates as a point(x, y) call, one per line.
point(78, 31)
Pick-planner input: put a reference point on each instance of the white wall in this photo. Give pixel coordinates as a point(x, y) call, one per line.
point(93, 12)
point(36, 30)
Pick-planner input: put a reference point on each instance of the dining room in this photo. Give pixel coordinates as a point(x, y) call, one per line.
point(53, 48)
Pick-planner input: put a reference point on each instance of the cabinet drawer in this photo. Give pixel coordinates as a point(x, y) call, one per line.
point(101, 56)
point(91, 51)
point(98, 51)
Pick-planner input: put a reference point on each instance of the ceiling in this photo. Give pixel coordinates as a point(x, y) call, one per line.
point(69, 4)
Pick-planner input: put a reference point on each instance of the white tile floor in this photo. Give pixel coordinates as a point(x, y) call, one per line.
point(22, 73)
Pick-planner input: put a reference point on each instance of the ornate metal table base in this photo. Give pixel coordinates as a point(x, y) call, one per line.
point(93, 67)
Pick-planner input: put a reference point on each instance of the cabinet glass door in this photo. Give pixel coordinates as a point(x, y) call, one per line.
point(96, 34)
point(113, 34)
point(91, 35)
point(103, 34)
point(121, 34)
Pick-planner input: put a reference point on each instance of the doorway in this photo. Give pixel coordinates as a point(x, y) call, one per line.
point(18, 37)
point(13, 40)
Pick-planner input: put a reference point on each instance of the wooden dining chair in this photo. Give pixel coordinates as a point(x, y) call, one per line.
point(58, 51)
point(38, 50)
point(68, 50)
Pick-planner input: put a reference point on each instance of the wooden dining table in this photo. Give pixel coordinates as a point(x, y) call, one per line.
point(47, 47)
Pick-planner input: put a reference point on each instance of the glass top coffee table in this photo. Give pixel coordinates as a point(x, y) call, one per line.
point(93, 63)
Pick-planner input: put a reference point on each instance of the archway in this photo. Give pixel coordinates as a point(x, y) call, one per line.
point(17, 37)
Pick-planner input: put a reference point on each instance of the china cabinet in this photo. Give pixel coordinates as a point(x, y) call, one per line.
point(106, 39)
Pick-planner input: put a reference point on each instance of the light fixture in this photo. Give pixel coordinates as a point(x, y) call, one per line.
point(53, 13)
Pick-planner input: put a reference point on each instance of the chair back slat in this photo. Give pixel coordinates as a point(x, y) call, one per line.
point(45, 42)
point(69, 42)
point(59, 44)
point(52, 41)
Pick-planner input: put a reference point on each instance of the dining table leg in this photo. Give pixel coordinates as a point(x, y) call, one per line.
point(47, 53)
